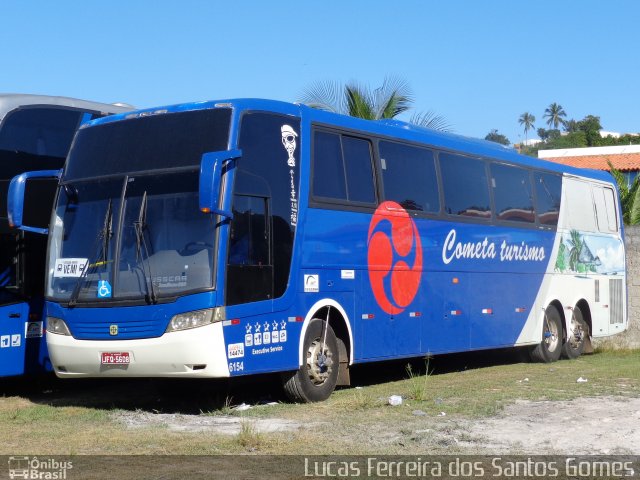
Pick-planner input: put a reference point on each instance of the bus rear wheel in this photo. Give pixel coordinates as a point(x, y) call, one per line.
point(576, 336)
point(549, 349)
point(316, 379)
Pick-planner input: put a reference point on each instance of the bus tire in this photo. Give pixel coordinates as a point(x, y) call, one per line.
point(549, 349)
point(576, 336)
point(316, 379)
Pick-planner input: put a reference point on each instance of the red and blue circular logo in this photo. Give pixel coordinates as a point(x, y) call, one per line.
point(394, 257)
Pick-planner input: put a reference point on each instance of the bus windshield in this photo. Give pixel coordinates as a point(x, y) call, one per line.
point(31, 138)
point(154, 142)
point(140, 237)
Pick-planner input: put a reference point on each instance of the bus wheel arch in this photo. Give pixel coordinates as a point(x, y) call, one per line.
point(316, 378)
point(299, 385)
point(578, 331)
point(552, 334)
point(342, 330)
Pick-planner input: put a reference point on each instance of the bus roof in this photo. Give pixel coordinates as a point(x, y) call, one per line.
point(388, 128)
point(11, 101)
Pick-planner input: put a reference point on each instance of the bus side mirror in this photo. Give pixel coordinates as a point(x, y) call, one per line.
point(211, 180)
point(16, 199)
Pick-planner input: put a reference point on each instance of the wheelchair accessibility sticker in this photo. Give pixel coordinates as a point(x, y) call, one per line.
point(104, 289)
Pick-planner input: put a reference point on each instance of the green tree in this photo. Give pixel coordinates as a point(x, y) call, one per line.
point(555, 114)
point(494, 136)
point(629, 196)
point(570, 140)
point(527, 121)
point(543, 133)
point(590, 125)
point(391, 99)
point(570, 126)
point(546, 135)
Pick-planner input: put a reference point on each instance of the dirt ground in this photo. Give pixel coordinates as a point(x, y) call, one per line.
point(585, 426)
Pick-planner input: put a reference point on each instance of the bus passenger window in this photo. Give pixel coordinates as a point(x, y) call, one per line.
point(605, 209)
point(580, 206)
point(409, 176)
point(548, 194)
point(357, 161)
point(612, 212)
point(342, 168)
point(512, 193)
point(466, 190)
point(328, 171)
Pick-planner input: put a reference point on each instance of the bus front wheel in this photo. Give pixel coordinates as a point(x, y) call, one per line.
point(316, 379)
point(549, 349)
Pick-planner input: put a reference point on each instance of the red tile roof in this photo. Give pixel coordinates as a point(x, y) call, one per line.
point(623, 162)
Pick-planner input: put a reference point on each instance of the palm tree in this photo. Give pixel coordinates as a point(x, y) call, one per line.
point(430, 120)
point(555, 115)
point(393, 98)
point(629, 196)
point(527, 121)
point(575, 244)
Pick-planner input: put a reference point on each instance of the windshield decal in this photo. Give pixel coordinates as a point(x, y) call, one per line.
point(104, 289)
point(289, 142)
point(70, 267)
point(171, 281)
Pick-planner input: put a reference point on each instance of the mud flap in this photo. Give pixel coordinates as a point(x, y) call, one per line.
point(588, 348)
point(343, 372)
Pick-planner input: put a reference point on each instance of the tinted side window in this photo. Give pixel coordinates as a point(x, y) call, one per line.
point(342, 168)
point(409, 176)
point(512, 193)
point(548, 194)
point(357, 160)
point(466, 190)
point(248, 239)
point(328, 168)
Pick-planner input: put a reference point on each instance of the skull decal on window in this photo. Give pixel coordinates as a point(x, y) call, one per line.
point(289, 141)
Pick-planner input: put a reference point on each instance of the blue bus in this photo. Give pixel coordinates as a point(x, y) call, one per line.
point(239, 237)
point(35, 134)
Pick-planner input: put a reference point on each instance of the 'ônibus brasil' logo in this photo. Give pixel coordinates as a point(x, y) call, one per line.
point(394, 257)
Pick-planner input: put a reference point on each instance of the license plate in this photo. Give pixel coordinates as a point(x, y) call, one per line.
point(115, 358)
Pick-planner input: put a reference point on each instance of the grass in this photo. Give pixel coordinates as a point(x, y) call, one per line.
point(71, 418)
point(248, 437)
point(418, 384)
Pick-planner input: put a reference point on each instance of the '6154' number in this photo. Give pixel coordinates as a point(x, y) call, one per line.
point(236, 367)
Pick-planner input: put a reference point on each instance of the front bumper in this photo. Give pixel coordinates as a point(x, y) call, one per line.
point(198, 352)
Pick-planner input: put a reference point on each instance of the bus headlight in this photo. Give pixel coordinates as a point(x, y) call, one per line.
point(195, 319)
point(57, 326)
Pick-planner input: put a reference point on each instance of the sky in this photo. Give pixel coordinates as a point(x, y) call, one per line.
point(479, 64)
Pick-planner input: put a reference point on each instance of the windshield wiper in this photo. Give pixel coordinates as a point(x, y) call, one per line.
point(141, 243)
point(105, 235)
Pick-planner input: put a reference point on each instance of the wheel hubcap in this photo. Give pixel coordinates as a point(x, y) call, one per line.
point(319, 362)
point(577, 334)
point(551, 336)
